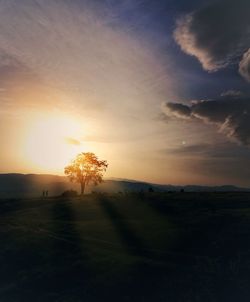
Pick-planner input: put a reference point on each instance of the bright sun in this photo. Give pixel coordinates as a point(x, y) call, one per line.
point(51, 141)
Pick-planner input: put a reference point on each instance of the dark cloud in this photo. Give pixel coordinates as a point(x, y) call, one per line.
point(230, 114)
point(177, 110)
point(216, 34)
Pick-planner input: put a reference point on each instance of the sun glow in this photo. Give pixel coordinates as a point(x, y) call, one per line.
point(52, 141)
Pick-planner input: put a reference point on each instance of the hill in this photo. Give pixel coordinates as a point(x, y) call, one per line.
point(32, 185)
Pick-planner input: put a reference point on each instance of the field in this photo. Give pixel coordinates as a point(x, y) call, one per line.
point(175, 247)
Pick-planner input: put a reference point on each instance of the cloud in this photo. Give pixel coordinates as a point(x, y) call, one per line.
point(79, 59)
point(230, 114)
point(72, 141)
point(74, 48)
point(216, 34)
point(206, 150)
point(177, 110)
point(244, 66)
point(232, 93)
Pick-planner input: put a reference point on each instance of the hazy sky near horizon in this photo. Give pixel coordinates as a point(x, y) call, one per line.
point(160, 89)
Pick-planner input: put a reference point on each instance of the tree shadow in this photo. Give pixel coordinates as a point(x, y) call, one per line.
point(132, 241)
point(10, 205)
point(68, 249)
point(210, 246)
point(66, 272)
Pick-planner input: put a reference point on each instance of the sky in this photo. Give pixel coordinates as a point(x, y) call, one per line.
point(160, 89)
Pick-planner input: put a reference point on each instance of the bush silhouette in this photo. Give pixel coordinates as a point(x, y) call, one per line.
point(69, 193)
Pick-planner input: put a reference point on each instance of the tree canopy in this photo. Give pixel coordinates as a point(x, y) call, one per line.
point(86, 168)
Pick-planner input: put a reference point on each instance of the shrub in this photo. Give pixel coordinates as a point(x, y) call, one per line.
point(69, 193)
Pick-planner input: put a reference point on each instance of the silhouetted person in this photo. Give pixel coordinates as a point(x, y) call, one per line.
point(43, 193)
point(47, 193)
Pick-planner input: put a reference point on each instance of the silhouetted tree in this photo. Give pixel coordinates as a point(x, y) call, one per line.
point(86, 168)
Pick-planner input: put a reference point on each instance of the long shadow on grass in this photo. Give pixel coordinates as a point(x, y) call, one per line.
point(209, 240)
point(51, 265)
point(133, 242)
point(145, 280)
point(9, 205)
point(69, 273)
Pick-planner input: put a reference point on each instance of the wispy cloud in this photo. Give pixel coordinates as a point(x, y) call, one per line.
point(225, 150)
point(72, 141)
point(75, 50)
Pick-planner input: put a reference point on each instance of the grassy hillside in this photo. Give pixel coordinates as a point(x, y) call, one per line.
point(126, 247)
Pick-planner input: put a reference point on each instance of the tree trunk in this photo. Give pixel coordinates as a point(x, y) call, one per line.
point(82, 187)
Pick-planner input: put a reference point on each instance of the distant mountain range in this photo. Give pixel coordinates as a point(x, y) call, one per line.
point(32, 185)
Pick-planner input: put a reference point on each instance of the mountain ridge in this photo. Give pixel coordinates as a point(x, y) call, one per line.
point(18, 185)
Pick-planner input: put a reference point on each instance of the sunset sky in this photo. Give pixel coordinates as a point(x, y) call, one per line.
point(160, 89)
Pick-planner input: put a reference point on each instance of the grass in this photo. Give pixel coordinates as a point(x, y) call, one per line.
point(126, 247)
